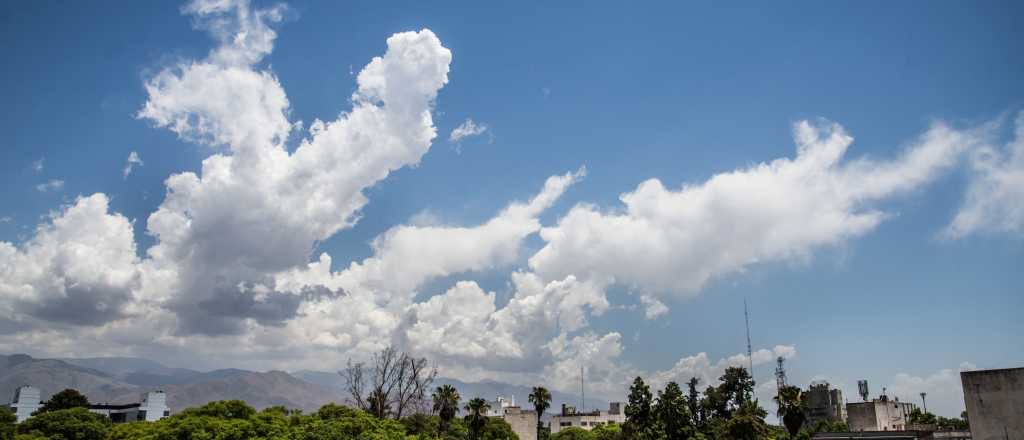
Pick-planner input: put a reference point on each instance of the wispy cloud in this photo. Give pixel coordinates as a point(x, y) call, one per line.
point(133, 159)
point(52, 185)
point(467, 129)
point(6, 219)
point(37, 165)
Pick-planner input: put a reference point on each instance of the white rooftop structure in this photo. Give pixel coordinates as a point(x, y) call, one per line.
point(26, 402)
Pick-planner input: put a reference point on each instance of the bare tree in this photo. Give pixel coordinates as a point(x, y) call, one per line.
point(397, 384)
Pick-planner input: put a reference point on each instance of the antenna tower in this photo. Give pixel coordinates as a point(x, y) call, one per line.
point(750, 351)
point(780, 373)
point(583, 392)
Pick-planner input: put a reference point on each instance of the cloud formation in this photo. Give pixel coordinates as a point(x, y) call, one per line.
point(230, 275)
point(51, 185)
point(672, 242)
point(467, 129)
point(133, 160)
point(994, 203)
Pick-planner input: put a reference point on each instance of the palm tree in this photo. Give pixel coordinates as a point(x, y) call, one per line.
point(477, 417)
point(792, 408)
point(541, 400)
point(446, 404)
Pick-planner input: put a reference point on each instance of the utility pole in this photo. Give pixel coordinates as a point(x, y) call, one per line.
point(923, 402)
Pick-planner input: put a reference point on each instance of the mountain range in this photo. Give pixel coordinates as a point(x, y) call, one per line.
point(124, 379)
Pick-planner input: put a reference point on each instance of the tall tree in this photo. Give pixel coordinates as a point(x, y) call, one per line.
point(541, 400)
point(672, 413)
point(66, 399)
point(693, 402)
point(737, 386)
point(476, 417)
point(396, 385)
point(446, 404)
point(792, 408)
point(639, 414)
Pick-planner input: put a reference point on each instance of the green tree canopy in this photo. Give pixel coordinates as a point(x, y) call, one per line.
point(66, 399)
point(446, 405)
point(673, 413)
point(640, 420)
point(67, 424)
point(792, 408)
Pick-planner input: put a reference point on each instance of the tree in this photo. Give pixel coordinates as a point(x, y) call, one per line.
point(476, 417)
point(693, 402)
point(737, 386)
point(67, 424)
point(7, 423)
point(573, 433)
point(639, 414)
point(541, 400)
point(672, 413)
point(66, 399)
point(746, 423)
point(446, 404)
point(396, 385)
point(792, 408)
point(918, 417)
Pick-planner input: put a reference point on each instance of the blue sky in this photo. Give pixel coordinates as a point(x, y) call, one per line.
point(678, 93)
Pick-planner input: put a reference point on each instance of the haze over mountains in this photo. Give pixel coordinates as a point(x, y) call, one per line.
point(123, 379)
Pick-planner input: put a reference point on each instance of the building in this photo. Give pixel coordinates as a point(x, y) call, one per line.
point(523, 422)
point(880, 414)
point(153, 407)
point(824, 404)
point(496, 408)
point(995, 403)
point(26, 401)
point(570, 418)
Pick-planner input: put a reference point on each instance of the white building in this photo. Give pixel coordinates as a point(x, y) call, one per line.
point(570, 418)
point(26, 402)
point(880, 414)
point(497, 407)
point(152, 408)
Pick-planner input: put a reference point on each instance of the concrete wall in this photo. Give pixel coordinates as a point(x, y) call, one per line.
point(995, 403)
point(878, 415)
point(523, 423)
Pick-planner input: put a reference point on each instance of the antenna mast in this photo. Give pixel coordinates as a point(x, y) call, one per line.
point(780, 374)
point(750, 351)
point(583, 393)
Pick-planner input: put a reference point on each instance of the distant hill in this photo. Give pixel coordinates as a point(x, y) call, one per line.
point(116, 380)
point(124, 379)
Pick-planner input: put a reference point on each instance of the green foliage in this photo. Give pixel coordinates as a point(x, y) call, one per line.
point(673, 414)
point(726, 412)
point(540, 397)
point(476, 419)
point(446, 405)
point(917, 417)
point(609, 431)
point(573, 433)
point(7, 421)
point(66, 399)
point(67, 424)
point(792, 408)
point(640, 420)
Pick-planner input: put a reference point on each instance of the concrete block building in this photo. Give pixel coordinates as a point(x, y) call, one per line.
point(995, 403)
point(882, 414)
point(523, 422)
point(824, 404)
point(570, 418)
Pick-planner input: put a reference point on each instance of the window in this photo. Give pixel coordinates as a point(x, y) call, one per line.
point(141, 416)
point(565, 424)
